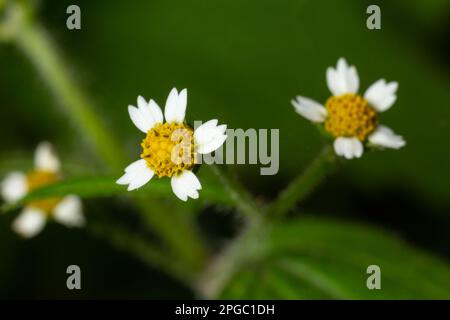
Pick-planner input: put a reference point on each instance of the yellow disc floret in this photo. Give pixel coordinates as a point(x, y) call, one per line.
point(350, 115)
point(169, 149)
point(40, 178)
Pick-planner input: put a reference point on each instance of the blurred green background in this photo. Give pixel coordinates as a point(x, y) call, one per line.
point(242, 62)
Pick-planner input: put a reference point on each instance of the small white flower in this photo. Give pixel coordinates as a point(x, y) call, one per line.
point(33, 217)
point(351, 119)
point(170, 148)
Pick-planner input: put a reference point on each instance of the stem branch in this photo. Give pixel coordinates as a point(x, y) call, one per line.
point(303, 184)
point(244, 248)
point(244, 201)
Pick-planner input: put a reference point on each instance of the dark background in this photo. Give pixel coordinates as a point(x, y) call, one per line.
point(242, 62)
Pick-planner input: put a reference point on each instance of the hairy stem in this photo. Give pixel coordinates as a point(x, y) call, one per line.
point(178, 230)
point(303, 184)
point(220, 271)
point(237, 192)
point(222, 268)
point(247, 246)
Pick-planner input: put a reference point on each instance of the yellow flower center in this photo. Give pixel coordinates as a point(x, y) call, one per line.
point(350, 115)
point(40, 178)
point(169, 149)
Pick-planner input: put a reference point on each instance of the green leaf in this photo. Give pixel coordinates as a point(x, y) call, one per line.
point(317, 258)
point(105, 186)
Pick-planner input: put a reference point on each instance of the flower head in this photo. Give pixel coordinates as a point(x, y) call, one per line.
point(32, 219)
point(170, 149)
point(351, 119)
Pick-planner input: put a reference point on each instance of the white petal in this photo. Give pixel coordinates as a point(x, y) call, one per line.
point(221, 129)
point(181, 106)
point(136, 175)
point(45, 158)
point(309, 109)
point(343, 79)
point(348, 147)
point(385, 137)
point(186, 185)
point(155, 111)
point(175, 109)
point(171, 108)
point(381, 95)
point(209, 136)
point(202, 130)
point(68, 212)
point(141, 102)
point(150, 111)
point(14, 186)
point(213, 145)
point(140, 121)
point(29, 222)
point(208, 131)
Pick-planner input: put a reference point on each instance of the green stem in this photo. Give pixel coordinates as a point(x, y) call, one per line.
point(20, 27)
point(303, 184)
point(176, 227)
point(245, 247)
point(241, 249)
point(244, 201)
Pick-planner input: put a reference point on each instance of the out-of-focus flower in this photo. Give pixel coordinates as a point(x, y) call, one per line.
point(351, 119)
point(170, 148)
point(32, 219)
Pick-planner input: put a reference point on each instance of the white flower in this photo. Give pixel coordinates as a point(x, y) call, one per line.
point(351, 119)
point(170, 148)
point(33, 217)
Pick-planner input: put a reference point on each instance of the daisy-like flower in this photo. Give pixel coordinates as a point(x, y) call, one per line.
point(170, 149)
point(32, 219)
point(351, 119)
